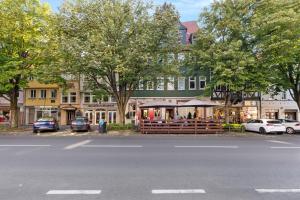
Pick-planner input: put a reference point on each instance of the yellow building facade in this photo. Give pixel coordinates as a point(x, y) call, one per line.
point(41, 100)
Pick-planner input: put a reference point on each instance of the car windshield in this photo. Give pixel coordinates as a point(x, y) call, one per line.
point(45, 120)
point(274, 122)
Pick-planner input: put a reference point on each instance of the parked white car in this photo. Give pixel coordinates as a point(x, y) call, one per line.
point(265, 126)
point(291, 126)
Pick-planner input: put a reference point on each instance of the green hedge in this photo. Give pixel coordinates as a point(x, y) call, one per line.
point(233, 127)
point(117, 127)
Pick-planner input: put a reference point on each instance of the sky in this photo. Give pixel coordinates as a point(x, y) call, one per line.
point(188, 9)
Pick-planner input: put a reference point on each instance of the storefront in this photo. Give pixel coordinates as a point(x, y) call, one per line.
point(105, 111)
point(34, 113)
point(239, 113)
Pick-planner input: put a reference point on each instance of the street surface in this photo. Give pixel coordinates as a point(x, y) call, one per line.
point(150, 167)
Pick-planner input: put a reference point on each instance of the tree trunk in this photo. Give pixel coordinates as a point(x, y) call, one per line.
point(122, 109)
point(14, 113)
point(226, 109)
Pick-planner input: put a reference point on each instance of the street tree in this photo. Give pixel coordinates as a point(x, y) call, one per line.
point(115, 44)
point(225, 45)
point(276, 28)
point(23, 39)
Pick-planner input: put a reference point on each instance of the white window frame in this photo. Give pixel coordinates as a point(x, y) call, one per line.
point(194, 83)
point(202, 78)
point(53, 91)
point(150, 88)
point(160, 85)
point(43, 94)
point(70, 97)
point(85, 95)
point(171, 83)
point(62, 98)
point(32, 94)
point(181, 83)
point(141, 85)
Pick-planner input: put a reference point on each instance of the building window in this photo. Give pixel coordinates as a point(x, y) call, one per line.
point(72, 97)
point(170, 85)
point(181, 57)
point(141, 85)
point(284, 95)
point(160, 83)
point(181, 83)
point(43, 94)
point(105, 98)
point(112, 117)
point(202, 82)
point(65, 98)
point(53, 94)
point(32, 93)
point(113, 99)
point(150, 85)
point(87, 97)
point(192, 83)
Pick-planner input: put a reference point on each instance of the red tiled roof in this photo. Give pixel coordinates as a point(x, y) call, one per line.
point(192, 26)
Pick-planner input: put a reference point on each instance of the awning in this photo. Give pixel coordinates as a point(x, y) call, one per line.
point(199, 103)
point(158, 104)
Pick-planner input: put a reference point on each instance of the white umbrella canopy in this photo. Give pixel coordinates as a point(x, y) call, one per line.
point(199, 103)
point(157, 104)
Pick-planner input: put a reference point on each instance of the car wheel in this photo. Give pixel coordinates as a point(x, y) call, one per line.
point(262, 130)
point(290, 130)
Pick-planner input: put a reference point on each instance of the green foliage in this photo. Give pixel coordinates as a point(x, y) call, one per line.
point(276, 29)
point(117, 127)
point(114, 44)
point(233, 127)
point(225, 45)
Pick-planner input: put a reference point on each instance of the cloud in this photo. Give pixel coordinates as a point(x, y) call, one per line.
point(189, 10)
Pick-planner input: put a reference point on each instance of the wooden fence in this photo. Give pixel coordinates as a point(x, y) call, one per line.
point(190, 126)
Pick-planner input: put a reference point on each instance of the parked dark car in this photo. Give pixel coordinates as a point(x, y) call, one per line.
point(45, 124)
point(81, 124)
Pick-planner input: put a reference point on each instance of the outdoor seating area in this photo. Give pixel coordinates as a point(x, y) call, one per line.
point(186, 126)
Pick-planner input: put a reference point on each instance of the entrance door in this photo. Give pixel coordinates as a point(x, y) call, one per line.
point(70, 116)
point(89, 115)
point(31, 115)
point(99, 115)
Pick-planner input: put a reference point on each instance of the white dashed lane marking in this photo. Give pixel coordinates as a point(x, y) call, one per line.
point(285, 147)
point(277, 190)
point(113, 146)
point(25, 145)
point(180, 191)
point(73, 146)
point(63, 192)
point(278, 142)
point(221, 147)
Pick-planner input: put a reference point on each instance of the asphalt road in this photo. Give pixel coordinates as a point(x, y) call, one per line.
point(150, 168)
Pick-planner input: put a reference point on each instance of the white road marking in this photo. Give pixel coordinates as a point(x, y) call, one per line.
point(279, 142)
point(73, 146)
point(181, 191)
point(25, 145)
point(224, 147)
point(74, 192)
point(277, 190)
point(285, 147)
point(114, 146)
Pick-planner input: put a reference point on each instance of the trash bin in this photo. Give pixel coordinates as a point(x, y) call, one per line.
point(102, 126)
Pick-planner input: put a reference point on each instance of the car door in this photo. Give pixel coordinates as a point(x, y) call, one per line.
point(256, 125)
point(249, 125)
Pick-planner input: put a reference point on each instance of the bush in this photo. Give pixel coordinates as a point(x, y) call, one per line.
point(117, 127)
point(233, 127)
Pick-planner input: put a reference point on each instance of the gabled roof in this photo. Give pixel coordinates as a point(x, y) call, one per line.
point(192, 26)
